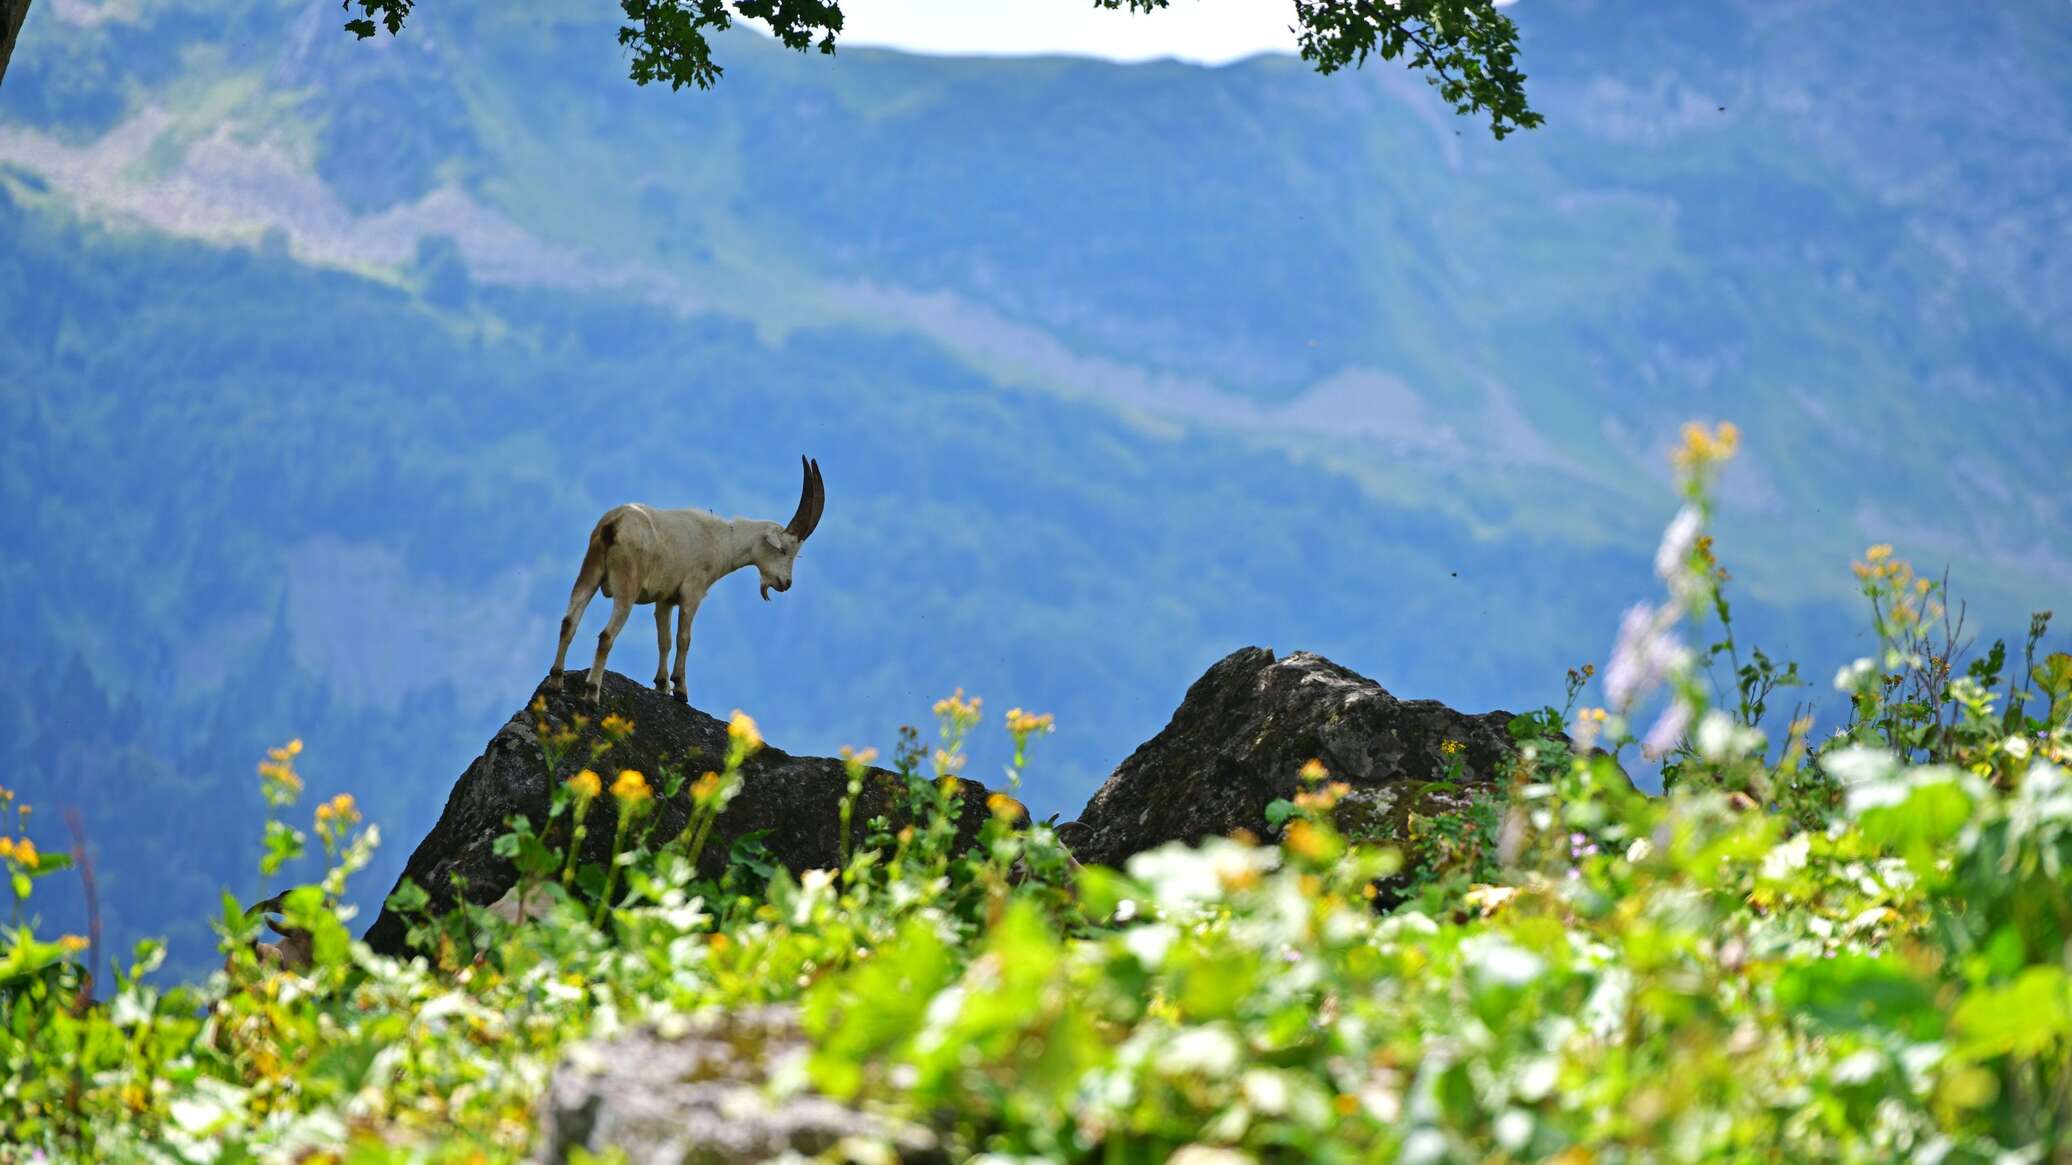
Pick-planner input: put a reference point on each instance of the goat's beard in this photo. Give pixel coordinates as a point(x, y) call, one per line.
point(766, 591)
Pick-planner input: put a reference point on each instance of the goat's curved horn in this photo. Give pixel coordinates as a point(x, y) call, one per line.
point(271, 905)
point(812, 499)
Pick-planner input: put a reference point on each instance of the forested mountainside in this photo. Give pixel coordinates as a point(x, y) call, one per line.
point(322, 357)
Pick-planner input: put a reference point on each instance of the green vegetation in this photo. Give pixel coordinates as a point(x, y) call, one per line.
point(1854, 948)
point(251, 490)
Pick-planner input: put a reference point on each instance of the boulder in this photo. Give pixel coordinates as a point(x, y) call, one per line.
point(1241, 736)
point(706, 1090)
point(796, 798)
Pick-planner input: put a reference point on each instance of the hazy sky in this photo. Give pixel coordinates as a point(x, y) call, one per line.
point(1195, 30)
point(1207, 31)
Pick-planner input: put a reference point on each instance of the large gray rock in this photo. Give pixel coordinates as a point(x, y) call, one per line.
point(702, 1095)
point(796, 798)
point(1245, 729)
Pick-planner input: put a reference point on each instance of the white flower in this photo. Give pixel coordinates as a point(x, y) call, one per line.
point(1673, 557)
point(1720, 737)
point(1513, 1127)
point(1850, 677)
point(1209, 1155)
point(1494, 959)
point(1858, 765)
point(1210, 1051)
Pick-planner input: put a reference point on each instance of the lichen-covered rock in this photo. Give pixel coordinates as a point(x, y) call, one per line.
point(796, 798)
point(708, 1090)
point(1240, 738)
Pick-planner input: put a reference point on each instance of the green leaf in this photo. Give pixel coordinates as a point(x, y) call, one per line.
point(408, 897)
point(2028, 1018)
point(1853, 991)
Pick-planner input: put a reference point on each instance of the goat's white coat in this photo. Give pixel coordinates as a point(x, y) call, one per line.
point(670, 558)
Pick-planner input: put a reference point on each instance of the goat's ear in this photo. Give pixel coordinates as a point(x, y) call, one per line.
point(776, 539)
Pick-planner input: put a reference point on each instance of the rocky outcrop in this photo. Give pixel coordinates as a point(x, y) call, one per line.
point(702, 1095)
point(1241, 736)
point(796, 798)
point(1236, 743)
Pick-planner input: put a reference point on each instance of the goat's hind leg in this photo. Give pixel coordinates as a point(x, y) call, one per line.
point(623, 589)
point(685, 612)
point(662, 612)
point(578, 602)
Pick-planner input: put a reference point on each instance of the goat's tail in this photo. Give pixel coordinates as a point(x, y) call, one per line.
point(592, 576)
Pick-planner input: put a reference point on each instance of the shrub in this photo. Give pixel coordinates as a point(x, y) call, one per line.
point(1852, 949)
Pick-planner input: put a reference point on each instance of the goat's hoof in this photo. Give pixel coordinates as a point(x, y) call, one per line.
point(662, 685)
point(553, 683)
point(682, 697)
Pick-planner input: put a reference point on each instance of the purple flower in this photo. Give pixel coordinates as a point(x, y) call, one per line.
point(1668, 730)
point(1644, 655)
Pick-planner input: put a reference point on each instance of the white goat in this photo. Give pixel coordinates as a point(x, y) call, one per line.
point(639, 554)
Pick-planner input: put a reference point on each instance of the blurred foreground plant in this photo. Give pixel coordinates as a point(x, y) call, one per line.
point(1850, 949)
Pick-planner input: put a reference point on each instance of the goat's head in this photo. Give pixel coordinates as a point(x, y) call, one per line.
point(779, 548)
point(297, 948)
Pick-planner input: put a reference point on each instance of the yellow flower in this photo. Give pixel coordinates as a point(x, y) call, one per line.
point(858, 757)
point(1325, 800)
point(1701, 448)
point(949, 762)
point(25, 853)
point(742, 732)
point(72, 944)
point(338, 811)
point(1021, 723)
point(6, 847)
point(956, 707)
point(1004, 806)
point(1313, 770)
point(1878, 553)
point(631, 787)
point(1451, 747)
point(616, 726)
point(705, 788)
point(585, 785)
point(1303, 840)
point(1237, 878)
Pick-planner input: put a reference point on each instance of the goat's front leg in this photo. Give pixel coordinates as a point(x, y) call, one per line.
point(686, 610)
point(663, 609)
